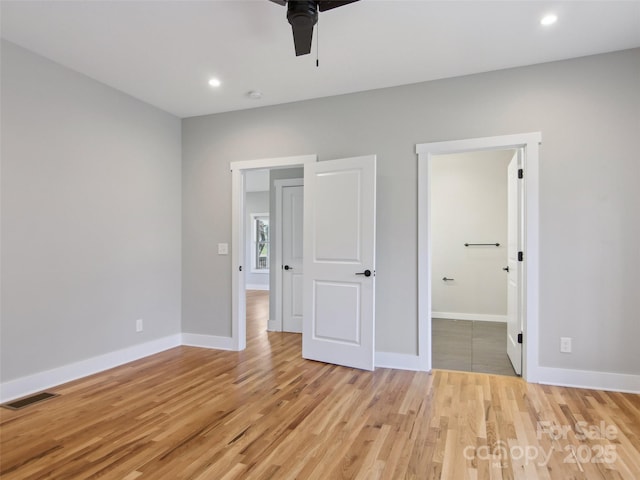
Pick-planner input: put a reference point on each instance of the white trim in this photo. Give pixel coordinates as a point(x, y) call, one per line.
point(564, 377)
point(530, 142)
point(279, 162)
point(238, 292)
point(238, 297)
point(276, 324)
point(20, 387)
point(56, 376)
point(207, 341)
point(475, 317)
point(256, 286)
point(501, 142)
point(398, 361)
point(424, 275)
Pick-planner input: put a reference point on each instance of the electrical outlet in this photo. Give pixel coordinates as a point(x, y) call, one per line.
point(565, 344)
point(223, 249)
point(139, 326)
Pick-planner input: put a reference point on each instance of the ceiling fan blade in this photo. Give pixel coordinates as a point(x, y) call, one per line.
point(302, 37)
point(302, 16)
point(324, 5)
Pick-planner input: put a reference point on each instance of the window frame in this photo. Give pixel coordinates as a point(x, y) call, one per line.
point(254, 242)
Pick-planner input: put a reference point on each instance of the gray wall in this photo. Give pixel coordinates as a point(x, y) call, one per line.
point(469, 205)
point(588, 111)
point(91, 186)
point(90, 217)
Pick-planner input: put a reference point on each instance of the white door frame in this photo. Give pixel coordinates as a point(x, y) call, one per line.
point(530, 299)
point(238, 235)
point(275, 324)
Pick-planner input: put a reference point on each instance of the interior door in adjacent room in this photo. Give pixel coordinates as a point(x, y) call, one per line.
point(514, 316)
point(292, 257)
point(339, 261)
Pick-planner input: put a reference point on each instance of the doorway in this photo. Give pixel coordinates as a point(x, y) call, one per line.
point(470, 227)
point(528, 254)
point(273, 203)
point(258, 230)
point(240, 232)
point(257, 250)
point(339, 257)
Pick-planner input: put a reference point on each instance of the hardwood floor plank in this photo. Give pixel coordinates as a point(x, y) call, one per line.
point(265, 413)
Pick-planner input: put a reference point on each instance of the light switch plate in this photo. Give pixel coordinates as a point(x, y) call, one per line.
point(223, 249)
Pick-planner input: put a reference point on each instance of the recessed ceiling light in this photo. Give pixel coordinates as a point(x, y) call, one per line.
point(214, 82)
point(254, 95)
point(549, 20)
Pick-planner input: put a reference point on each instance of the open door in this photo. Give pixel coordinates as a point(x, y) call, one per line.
point(514, 317)
point(339, 262)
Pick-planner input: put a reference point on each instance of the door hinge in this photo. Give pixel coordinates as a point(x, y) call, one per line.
point(520, 338)
point(520, 173)
point(520, 256)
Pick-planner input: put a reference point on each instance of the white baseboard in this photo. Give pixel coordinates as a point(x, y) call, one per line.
point(37, 382)
point(256, 287)
point(207, 341)
point(478, 317)
point(398, 361)
point(23, 386)
point(564, 377)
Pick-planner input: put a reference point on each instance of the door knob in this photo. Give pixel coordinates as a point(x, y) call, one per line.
point(287, 267)
point(366, 273)
point(506, 269)
point(447, 279)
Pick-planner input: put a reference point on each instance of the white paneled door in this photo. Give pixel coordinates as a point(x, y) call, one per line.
point(339, 262)
point(292, 266)
point(514, 317)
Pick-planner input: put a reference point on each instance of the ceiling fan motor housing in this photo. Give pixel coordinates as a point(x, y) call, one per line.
point(302, 15)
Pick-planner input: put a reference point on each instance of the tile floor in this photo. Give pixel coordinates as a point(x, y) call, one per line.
point(471, 346)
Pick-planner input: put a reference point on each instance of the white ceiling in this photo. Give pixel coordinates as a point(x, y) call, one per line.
point(164, 52)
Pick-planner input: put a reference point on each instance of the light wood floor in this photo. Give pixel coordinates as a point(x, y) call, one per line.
point(266, 413)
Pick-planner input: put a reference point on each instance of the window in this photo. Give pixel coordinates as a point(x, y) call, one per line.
point(260, 244)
